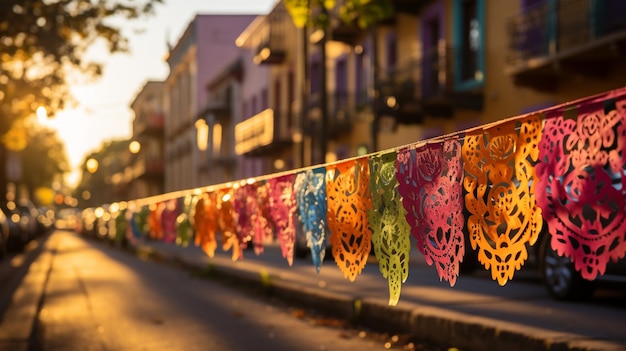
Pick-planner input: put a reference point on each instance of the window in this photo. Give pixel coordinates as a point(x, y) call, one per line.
point(433, 67)
point(315, 77)
point(264, 99)
point(341, 76)
point(391, 51)
point(291, 88)
point(217, 140)
point(469, 39)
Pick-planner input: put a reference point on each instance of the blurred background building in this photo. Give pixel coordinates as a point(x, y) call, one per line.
point(251, 95)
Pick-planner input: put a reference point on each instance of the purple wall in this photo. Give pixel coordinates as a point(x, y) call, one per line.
point(256, 79)
point(215, 36)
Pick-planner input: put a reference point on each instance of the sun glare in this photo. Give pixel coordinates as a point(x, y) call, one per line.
point(42, 115)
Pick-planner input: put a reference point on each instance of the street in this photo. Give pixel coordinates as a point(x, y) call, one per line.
point(101, 298)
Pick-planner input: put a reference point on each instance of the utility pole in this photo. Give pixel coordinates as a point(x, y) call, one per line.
point(3, 172)
point(376, 97)
point(324, 86)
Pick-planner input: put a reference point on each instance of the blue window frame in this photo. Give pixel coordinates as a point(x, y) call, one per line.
point(469, 39)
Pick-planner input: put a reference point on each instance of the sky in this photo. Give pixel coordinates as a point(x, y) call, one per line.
point(103, 112)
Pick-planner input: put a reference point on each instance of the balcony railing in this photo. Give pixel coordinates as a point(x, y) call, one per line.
point(424, 87)
point(409, 6)
point(261, 134)
point(568, 31)
point(272, 47)
point(152, 167)
point(341, 107)
point(149, 123)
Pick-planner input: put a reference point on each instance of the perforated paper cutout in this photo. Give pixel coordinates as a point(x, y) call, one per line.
point(184, 226)
point(168, 220)
point(245, 202)
point(205, 223)
point(580, 187)
point(500, 183)
point(282, 201)
point(310, 187)
point(387, 219)
point(262, 219)
point(349, 200)
point(154, 220)
point(139, 222)
point(431, 188)
point(227, 220)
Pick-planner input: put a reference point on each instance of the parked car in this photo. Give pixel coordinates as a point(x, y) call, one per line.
point(563, 281)
point(29, 214)
point(45, 218)
point(560, 278)
point(18, 230)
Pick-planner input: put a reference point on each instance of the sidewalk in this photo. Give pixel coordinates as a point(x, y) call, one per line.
point(364, 302)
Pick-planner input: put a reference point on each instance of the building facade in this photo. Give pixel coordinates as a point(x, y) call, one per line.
point(285, 97)
point(204, 49)
point(268, 135)
point(146, 146)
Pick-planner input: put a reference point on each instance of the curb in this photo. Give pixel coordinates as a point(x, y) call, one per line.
point(16, 331)
point(437, 325)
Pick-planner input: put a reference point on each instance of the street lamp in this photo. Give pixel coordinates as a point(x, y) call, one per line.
point(134, 147)
point(92, 165)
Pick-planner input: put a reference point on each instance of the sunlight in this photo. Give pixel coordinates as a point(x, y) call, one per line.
point(42, 115)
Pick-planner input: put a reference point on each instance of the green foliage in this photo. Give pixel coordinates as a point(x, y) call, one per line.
point(43, 159)
point(364, 13)
point(43, 44)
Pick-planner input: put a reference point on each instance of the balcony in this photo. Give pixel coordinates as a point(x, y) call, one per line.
point(422, 89)
point(271, 38)
point(346, 33)
point(148, 167)
point(409, 6)
point(261, 135)
point(340, 113)
point(554, 39)
point(220, 109)
point(149, 124)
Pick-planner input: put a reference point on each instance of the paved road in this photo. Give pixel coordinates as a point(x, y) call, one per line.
point(99, 298)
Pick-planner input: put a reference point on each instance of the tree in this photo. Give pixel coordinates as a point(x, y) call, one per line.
point(43, 45)
point(363, 13)
point(43, 159)
point(113, 157)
